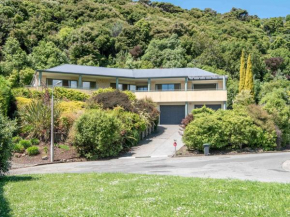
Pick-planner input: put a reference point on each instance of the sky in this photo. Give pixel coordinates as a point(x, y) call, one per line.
point(262, 8)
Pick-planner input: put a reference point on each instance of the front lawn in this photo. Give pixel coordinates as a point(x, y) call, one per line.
point(139, 195)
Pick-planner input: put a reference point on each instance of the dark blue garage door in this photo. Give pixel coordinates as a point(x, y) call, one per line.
point(171, 114)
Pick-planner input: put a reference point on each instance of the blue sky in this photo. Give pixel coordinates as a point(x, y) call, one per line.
point(262, 8)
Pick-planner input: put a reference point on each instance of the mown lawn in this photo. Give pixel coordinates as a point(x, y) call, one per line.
point(139, 195)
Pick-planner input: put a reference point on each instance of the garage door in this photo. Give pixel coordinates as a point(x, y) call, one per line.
point(213, 107)
point(171, 114)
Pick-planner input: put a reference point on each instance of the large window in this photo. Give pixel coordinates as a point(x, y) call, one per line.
point(168, 87)
point(89, 85)
point(70, 83)
point(204, 86)
point(124, 86)
point(142, 88)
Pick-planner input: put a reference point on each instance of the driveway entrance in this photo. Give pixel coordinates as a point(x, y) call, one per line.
point(159, 144)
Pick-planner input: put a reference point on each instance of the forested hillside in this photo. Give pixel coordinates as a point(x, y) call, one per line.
point(39, 34)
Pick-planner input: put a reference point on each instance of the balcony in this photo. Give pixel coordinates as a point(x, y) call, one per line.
point(185, 96)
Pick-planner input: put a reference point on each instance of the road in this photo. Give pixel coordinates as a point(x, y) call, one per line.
point(267, 167)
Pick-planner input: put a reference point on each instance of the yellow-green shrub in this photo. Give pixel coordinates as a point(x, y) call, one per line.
point(71, 106)
point(21, 102)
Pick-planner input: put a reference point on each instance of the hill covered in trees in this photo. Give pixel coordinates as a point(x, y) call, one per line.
point(40, 34)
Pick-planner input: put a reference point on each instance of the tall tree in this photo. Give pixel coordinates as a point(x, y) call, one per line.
point(249, 82)
point(242, 72)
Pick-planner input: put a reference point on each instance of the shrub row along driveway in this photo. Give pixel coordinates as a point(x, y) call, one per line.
point(259, 167)
point(159, 144)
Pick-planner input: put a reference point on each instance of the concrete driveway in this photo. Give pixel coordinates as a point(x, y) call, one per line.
point(270, 167)
point(159, 144)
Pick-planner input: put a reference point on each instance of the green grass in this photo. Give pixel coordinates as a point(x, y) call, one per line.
point(139, 195)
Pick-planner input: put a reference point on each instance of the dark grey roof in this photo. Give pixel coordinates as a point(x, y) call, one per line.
point(191, 73)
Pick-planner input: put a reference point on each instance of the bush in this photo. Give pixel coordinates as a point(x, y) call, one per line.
point(5, 96)
point(98, 134)
point(26, 93)
point(103, 90)
point(230, 129)
point(131, 126)
point(16, 139)
point(32, 151)
point(71, 106)
point(21, 102)
point(70, 94)
point(25, 143)
point(110, 100)
point(36, 119)
point(18, 148)
point(34, 141)
point(7, 128)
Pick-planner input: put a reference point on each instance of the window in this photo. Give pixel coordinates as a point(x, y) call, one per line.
point(124, 86)
point(168, 87)
point(89, 85)
point(73, 84)
point(142, 88)
point(204, 86)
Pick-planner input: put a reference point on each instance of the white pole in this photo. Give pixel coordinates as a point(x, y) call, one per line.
point(52, 136)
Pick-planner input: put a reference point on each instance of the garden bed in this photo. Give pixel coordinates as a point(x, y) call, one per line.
point(184, 152)
point(62, 153)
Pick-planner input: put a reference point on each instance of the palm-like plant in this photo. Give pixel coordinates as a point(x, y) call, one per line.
point(36, 119)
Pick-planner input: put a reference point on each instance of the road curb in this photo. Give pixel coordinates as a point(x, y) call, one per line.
point(144, 157)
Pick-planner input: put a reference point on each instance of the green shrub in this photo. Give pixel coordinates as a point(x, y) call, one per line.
point(110, 100)
point(5, 95)
point(98, 134)
point(34, 141)
point(25, 143)
point(7, 128)
point(26, 93)
point(70, 94)
point(16, 139)
point(130, 95)
point(18, 148)
point(103, 90)
point(35, 119)
point(230, 129)
point(32, 151)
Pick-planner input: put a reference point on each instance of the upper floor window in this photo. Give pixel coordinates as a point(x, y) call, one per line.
point(89, 85)
point(204, 86)
point(168, 87)
point(142, 88)
point(131, 87)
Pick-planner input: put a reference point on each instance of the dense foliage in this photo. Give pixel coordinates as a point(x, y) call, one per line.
point(7, 129)
point(5, 96)
point(124, 33)
point(230, 129)
point(97, 134)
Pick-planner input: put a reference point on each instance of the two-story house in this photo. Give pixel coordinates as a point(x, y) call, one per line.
point(176, 91)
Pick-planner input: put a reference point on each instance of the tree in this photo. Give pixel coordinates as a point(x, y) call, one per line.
point(166, 53)
point(249, 82)
point(47, 55)
point(14, 57)
point(273, 64)
point(242, 72)
point(7, 128)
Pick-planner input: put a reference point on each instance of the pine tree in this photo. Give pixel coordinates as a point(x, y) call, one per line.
point(249, 82)
point(242, 72)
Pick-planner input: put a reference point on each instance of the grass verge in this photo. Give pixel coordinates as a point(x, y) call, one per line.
point(139, 195)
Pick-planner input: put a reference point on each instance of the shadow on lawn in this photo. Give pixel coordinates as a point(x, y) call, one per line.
point(4, 205)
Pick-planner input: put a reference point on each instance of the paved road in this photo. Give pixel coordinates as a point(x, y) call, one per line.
point(159, 144)
point(270, 167)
